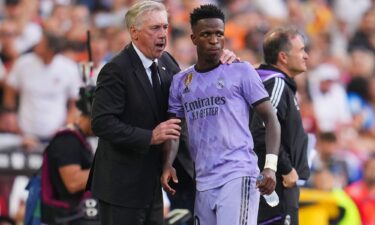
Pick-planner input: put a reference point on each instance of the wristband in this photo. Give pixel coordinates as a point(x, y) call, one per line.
point(271, 162)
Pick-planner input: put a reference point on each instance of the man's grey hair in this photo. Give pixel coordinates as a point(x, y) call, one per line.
point(132, 16)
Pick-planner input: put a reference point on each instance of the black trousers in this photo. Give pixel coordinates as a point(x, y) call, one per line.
point(118, 215)
point(288, 205)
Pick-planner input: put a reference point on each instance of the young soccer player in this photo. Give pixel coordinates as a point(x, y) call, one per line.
point(215, 100)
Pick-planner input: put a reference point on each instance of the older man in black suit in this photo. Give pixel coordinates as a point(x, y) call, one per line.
point(129, 116)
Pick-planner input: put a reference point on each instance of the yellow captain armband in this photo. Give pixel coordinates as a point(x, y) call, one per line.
point(271, 162)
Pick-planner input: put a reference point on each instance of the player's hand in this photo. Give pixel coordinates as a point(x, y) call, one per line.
point(290, 179)
point(228, 57)
point(168, 173)
point(167, 130)
point(268, 184)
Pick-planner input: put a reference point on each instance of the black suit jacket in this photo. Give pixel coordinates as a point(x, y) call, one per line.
point(126, 168)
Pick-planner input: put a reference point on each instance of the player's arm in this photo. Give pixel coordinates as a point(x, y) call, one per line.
point(170, 149)
point(268, 115)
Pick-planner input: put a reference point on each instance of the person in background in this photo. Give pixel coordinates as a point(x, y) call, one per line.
point(342, 163)
point(324, 180)
point(8, 53)
point(215, 101)
point(47, 84)
point(362, 192)
point(28, 33)
point(329, 100)
point(324, 204)
point(359, 91)
point(285, 58)
point(70, 157)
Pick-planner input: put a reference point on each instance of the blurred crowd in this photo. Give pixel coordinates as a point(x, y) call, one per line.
point(44, 60)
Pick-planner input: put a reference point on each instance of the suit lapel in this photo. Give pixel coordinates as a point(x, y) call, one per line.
point(141, 75)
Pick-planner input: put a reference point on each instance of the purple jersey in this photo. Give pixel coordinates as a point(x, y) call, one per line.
point(216, 107)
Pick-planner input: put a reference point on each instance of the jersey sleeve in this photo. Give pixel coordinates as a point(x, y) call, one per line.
point(175, 100)
point(252, 86)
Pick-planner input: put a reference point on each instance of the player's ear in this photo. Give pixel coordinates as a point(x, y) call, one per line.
point(193, 38)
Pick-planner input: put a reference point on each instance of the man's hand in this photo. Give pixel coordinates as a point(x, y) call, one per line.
point(228, 57)
point(268, 183)
point(167, 130)
point(290, 179)
point(168, 173)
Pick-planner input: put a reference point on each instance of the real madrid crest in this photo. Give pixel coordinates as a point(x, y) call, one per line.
point(187, 81)
point(220, 83)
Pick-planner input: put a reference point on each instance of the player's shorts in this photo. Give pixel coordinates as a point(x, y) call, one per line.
point(234, 203)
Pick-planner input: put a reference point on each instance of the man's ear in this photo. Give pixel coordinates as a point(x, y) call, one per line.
point(193, 37)
point(133, 33)
point(283, 57)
